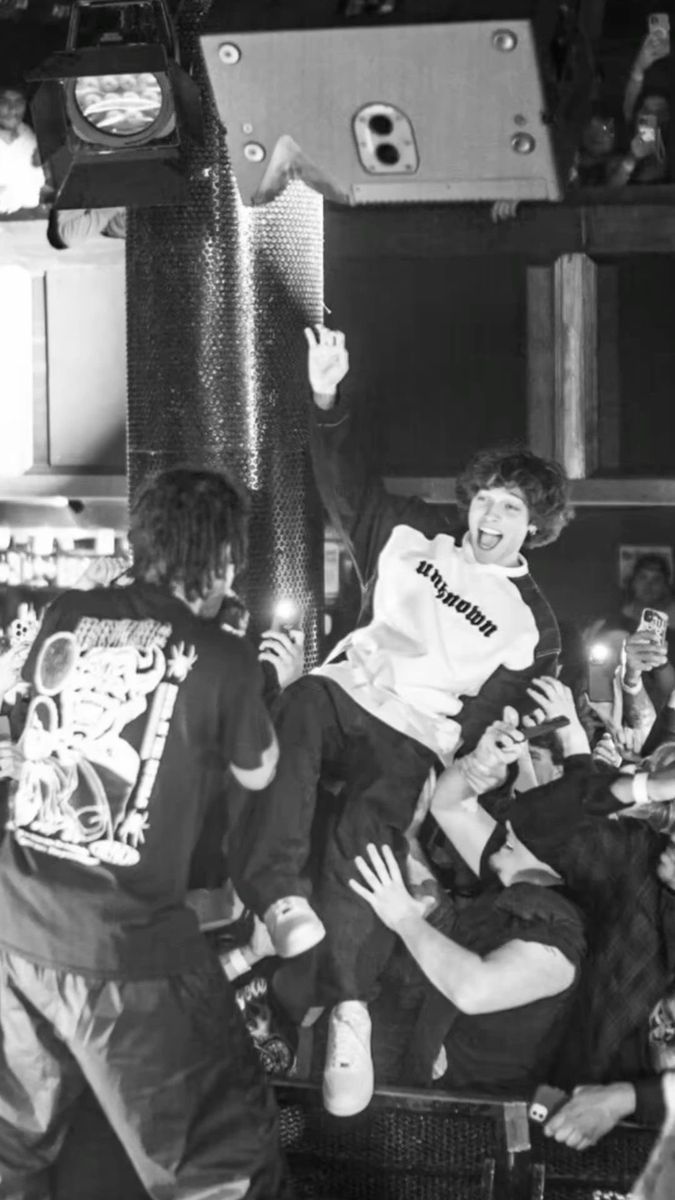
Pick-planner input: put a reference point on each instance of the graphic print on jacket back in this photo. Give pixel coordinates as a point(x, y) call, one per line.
point(84, 789)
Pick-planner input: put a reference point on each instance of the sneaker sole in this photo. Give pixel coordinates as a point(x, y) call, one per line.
point(301, 942)
point(336, 1108)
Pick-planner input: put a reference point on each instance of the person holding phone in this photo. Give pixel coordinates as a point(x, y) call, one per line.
point(648, 657)
point(451, 631)
point(646, 110)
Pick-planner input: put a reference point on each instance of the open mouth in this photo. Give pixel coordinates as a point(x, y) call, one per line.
point(488, 539)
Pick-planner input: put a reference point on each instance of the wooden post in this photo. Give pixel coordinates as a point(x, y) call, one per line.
point(562, 363)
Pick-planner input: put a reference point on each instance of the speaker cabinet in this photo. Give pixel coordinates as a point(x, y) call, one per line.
point(375, 112)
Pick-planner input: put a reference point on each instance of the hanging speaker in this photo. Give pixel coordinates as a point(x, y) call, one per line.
point(371, 111)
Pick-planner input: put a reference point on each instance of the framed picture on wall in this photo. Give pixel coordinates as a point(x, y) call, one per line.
point(628, 556)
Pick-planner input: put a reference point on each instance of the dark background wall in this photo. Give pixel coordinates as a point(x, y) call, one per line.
point(646, 327)
point(437, 353)
point(438, 367)
point(579, 573)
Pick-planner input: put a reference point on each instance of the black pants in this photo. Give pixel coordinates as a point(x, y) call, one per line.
point(170, 1064)
point(322, 730)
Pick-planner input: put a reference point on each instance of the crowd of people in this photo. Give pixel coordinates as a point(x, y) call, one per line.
point(629, 143)
point(454, 867)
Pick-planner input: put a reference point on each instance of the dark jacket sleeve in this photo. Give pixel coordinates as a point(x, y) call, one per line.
point(506, 686)
point(357, 503)
point(650, 1106)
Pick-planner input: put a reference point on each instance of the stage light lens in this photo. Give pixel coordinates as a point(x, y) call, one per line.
point(120, 105)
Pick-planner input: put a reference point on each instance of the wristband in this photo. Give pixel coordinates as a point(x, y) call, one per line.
point(235, 963)
point(639, 787)
point(633, 689)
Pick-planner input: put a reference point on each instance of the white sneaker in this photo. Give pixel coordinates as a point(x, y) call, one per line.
point(293, 926)
point(348, 1075)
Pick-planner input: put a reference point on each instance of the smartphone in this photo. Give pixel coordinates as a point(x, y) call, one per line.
point(546, 1102)
point(659, 23)
point(535, 731)
point(285, 617)
point(655, 621)
point(647, 128)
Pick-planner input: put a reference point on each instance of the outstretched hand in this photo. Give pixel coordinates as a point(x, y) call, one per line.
point(386, 893)
point(327, 363)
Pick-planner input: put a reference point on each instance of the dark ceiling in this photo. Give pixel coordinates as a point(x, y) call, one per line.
point(28, 34)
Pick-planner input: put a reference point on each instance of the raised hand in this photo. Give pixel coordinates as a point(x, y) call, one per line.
point(655, 45)
point(386, 893)
point(553, 699)
point(644, 651)
point(500, 745)
point(286, 653)
point(327, 363)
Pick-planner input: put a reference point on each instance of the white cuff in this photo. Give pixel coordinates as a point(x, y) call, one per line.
point(639, 788)
point(235, 963)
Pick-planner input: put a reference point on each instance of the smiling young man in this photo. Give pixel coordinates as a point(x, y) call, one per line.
point(450, 632)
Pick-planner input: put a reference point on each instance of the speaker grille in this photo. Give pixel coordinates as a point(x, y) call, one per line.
point(217, 298)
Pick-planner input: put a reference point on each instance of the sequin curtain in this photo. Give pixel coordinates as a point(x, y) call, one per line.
point(217, 298)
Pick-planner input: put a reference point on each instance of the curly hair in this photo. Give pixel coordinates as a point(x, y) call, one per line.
point(542, 482)
point(186, 524)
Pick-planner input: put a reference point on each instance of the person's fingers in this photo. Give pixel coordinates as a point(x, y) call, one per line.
point(555, 1123)
point(391, 864)
point(574, 1138)
point(560, 1131)
point(538, 715)
point(339, 339)
point(542, 683)
point(364, 893)
point(277, 637)
point(365, 871)
point(312, 338)
point(377, 862)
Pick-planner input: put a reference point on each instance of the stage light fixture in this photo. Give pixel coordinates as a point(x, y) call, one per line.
point(114, 110)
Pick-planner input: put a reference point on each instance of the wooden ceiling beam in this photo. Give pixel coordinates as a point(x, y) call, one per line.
point(539, 233)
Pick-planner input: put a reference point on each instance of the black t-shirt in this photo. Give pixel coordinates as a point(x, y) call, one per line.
point(509, 1050)
point(138, 710)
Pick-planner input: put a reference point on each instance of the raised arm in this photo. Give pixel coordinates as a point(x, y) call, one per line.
point(357, 503)
point(517, 973)
point(653, 47)
point(467, 825)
